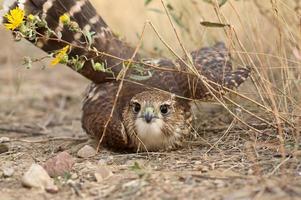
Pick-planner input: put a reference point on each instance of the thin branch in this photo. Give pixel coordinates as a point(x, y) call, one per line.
point(120, 87)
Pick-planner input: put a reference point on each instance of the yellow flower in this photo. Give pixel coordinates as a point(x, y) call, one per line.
point(61, 56)
point(15, 18)
point(65, 19)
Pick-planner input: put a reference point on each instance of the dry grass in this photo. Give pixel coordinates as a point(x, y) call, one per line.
point(263, 35)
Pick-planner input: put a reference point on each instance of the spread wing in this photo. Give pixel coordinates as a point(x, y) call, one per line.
point(93, 33)
point(214, 63)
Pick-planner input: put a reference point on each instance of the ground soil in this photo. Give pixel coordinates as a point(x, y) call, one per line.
point(40, 113)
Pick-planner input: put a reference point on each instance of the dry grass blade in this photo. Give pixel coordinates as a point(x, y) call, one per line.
point(122, 77)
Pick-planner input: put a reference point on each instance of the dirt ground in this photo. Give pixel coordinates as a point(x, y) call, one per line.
point(40, 113)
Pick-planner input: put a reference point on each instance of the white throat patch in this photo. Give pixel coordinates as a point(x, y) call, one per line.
point(150, 134)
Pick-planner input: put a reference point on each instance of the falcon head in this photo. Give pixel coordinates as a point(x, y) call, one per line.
point(154, 120)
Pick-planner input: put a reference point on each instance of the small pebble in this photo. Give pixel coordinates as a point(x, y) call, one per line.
point(4, 139)
point(102, 173)
point(134, 184)
point(8, 172)
point(86, 152)
point(106, 161)
point(74, 176)
point(202, 168)
point(59, 165)
point(37, 177)
point(4, 148)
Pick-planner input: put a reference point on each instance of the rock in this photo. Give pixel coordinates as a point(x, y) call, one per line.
point(37, 177)
point(102, 173)
point(76, 187)
point(134, 185)
point(59, 165)
point(4, 139)
point(108, 160)
point(74, 176)
point(8, 172)
point(86, 152)
point(4, 148)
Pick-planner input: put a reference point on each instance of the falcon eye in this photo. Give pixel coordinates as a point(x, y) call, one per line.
point(164, 109)
point(136, 107)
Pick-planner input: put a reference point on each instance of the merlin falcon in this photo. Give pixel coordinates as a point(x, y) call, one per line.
point(146, 114)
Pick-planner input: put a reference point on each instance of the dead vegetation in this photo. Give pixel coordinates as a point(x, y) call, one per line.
point(253, 155)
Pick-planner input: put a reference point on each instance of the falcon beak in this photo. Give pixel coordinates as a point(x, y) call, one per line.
point(148, 114)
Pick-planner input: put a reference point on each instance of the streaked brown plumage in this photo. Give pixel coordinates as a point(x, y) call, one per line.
point(129, 130)
point(124, 130)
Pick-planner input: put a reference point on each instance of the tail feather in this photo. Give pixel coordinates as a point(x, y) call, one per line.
point(236, 78)
point(84, 14)
point(80, 11)
point(215, 64)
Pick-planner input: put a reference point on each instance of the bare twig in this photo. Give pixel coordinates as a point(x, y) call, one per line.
point(22, 130)
point(120, 87)
point(51, 140)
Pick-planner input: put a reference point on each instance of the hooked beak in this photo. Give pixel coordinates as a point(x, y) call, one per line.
point(148, 114)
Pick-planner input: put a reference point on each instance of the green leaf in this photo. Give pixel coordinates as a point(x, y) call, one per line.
point(139, 170)
point(214, 24)
point(146, 2)
point(77, 62)
point(136, 166)
point(89, 36)
point(98, 66)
